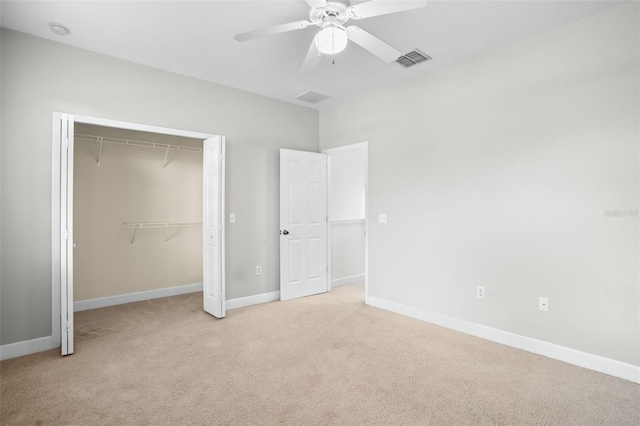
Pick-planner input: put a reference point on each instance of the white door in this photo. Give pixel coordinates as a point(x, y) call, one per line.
point(303, 224)
point(213, 226)
point(63, 138)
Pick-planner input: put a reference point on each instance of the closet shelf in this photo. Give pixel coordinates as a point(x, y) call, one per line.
point(149, 225)
point(102, 140)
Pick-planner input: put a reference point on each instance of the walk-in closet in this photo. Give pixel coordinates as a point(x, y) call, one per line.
point(137, 215)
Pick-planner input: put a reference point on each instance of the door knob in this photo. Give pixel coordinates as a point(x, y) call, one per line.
point(285, 232)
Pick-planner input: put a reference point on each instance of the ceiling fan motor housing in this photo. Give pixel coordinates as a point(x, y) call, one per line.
point(334, 13)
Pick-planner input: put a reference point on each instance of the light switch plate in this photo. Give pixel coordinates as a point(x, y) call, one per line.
point(382, 218)
point(232, 218)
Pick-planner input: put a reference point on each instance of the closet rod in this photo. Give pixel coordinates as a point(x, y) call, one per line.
point(131, 142)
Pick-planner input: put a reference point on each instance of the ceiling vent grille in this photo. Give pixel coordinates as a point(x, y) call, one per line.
point(412, 58)
point(312, 97)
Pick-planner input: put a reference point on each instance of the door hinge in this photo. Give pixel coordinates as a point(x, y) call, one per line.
point(67, 326)
point(221, 158)
point(66, 234)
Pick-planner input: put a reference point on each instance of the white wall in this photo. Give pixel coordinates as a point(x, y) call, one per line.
point(39, 77)
point(130, 185)
point(347, 203)
point(498, 172)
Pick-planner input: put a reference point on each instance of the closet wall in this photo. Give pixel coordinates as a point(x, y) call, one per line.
point(131, 185)
point(347, 209)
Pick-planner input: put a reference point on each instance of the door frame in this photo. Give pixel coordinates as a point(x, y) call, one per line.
point(336, 151)
point(59, 203)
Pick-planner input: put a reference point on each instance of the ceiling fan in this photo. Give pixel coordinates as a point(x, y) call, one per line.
point(331, 16)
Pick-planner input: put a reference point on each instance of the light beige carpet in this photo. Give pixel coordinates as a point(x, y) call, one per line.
point(321, 360)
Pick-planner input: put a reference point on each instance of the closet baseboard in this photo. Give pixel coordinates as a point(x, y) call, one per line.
point(121, 299)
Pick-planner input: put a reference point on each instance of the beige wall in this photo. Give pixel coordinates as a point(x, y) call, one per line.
point(130, 185)
point(498, 172)
point(347, 202)
point(39, 77)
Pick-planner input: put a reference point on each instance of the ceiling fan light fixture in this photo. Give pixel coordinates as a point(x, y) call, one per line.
point(331, 40)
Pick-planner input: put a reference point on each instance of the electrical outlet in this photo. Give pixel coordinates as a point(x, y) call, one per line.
point(258, 270)
point(382, 218)
point(543, 304)
point(480, 292)
point(232, 218)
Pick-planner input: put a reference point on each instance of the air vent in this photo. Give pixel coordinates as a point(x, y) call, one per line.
point(312, 97)
point(412, 58)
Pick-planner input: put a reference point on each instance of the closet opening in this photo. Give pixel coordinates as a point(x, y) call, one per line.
point(139, 216)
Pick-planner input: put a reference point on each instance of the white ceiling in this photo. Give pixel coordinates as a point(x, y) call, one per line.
point(195, 38)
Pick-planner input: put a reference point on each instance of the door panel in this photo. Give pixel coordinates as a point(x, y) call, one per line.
point(213, 235)
point(64, 128)
point(295, 261)
point(303, 224)
point(295, 203)
point(315, 258)
point(314, 203)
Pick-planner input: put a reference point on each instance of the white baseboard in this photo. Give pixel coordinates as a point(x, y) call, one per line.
point(26, 347)
point(582, 359)
point(241, 302)
point(337, 282)
point(103, 302)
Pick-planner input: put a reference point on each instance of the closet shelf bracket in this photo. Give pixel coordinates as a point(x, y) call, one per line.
point(133, 237)
point(166, 154)
point(101, 140)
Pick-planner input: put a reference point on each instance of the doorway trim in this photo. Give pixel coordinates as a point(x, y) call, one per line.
point(336, 151)
point(59, 168)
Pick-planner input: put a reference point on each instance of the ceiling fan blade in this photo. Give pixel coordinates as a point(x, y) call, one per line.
point(312, 59)
point(283, 28)
point(373, 44)
point(317, 3)
point(382, 7)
